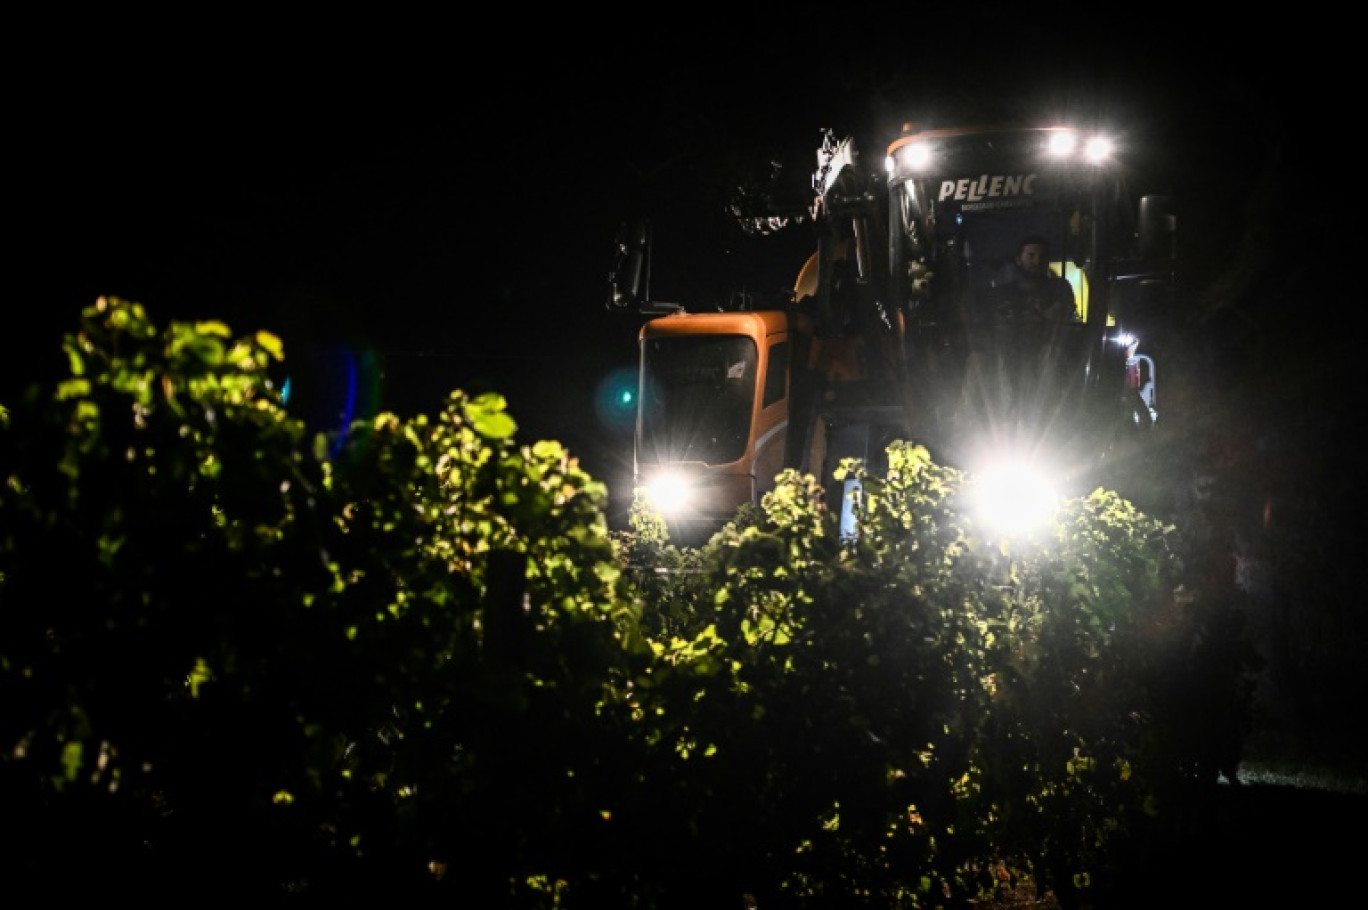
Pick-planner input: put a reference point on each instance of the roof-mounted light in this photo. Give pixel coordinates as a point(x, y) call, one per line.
point(912, 157)
point(920, 152)
point(1062, 143)
point(1098, 149)
point(1067, 143)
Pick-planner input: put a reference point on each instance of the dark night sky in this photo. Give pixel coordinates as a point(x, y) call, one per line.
point(446, 195)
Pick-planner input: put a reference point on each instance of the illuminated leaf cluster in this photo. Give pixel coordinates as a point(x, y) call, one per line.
point(415, 664)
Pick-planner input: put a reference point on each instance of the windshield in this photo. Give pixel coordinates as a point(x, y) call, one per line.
point(696, 398)
point(990, 331)
point(960, 245)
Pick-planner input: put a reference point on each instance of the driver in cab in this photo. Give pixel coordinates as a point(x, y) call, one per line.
point(1033, 292)
point(1014, 360)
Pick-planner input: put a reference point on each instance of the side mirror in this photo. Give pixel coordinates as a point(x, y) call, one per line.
point(1158, 227)
point(629, 277)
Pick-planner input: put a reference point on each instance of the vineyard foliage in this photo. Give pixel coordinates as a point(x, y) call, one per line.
point(415, 663)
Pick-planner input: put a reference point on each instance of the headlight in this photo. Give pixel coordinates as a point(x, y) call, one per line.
point(1013, 497)
point(668, 493)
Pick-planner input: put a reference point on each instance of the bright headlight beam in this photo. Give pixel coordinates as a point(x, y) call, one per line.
point(668, 493)
point(1014, 498)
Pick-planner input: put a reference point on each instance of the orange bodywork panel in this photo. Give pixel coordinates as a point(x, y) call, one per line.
point(725, 485)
